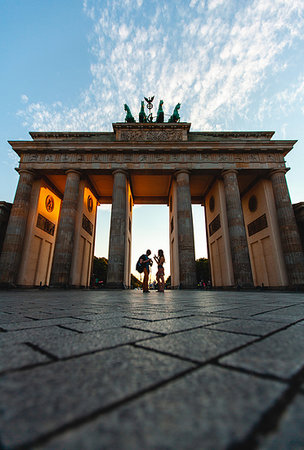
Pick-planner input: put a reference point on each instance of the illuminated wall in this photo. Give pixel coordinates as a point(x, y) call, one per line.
point(40, 236)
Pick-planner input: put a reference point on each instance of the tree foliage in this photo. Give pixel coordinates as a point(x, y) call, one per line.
point(100, 268)
point(202, 270)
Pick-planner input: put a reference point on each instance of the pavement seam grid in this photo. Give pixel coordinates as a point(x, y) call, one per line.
point(270, 419)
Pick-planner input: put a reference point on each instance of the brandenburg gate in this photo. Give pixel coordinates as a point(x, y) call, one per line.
point(239, 177)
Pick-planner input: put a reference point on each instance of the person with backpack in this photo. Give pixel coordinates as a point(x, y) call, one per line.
point(144, 263)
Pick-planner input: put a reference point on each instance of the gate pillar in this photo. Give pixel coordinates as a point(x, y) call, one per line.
point(15, 233)
point(187, 270)
point(62, 261)
point(120, 233)
point(237, 233)
point(290, 238)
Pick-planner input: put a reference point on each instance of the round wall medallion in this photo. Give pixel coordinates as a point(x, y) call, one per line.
point(211, 204)
point(252, 203)
point(90, 203)
point(49, 203)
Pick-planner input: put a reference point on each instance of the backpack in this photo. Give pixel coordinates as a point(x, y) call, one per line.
point(139, 266)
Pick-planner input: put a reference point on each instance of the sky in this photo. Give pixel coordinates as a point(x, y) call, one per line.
point(71, 65)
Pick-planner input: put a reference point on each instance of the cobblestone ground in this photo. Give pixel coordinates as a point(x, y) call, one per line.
point(179, 370)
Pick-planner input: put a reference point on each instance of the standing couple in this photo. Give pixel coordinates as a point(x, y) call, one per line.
point(160, 275)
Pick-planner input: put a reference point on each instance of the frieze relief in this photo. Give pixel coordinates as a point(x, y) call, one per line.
point(154, 158)
point(151, 135)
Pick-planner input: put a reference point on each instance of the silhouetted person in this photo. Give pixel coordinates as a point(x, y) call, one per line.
point(146, 262)
point(160, 274)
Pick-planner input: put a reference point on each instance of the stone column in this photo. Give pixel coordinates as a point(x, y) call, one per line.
point(63, 253)
point(16, 230)
point(237, 233)
point(117, 245)
point(187, 270)
point(290, 238)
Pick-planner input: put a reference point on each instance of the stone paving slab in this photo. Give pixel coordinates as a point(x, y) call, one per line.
point(199, 345)
point(253, 327)
point(207, 409)
point(281, 354)
point(35, 335)
point(39, 323)
point(119, 369)
point(97, 340)
point(16, 356)
point(174, 325)
point(43, 399)
point(291, 430)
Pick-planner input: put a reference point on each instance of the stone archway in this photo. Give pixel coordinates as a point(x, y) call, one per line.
point(238, 176)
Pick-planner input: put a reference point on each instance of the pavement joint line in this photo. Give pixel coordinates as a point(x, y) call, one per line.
point(79, 318)
point(275, 309)
point(229, 352)
point(233, 332)
point(66, 358)
point(46, 437)
point(269, 420)
point(178, 331)
point(41, 351)
point(70, 329)
point(140, 329)
point(158, 320)
point(264, 376)
point(23, 369)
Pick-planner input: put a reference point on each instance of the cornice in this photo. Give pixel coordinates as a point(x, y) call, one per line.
point(230, 146)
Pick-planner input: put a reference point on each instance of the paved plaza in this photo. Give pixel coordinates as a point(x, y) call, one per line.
point(100, 369)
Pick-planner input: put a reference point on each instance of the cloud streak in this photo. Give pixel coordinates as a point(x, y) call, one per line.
point(218, 58)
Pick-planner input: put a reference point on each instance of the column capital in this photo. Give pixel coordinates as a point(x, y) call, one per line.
point(228, 171)
point(77, 172)
point(124, 172)
point(282, 170)
point(28, 171)
point(178, 172)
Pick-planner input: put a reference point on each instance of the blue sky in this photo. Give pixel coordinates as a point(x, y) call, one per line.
point(72, 64)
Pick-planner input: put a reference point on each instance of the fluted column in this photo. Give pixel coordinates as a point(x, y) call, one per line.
point(117, 245)
point(16, 229)
point(62, 261)
point(187, 270)
point(237, 233)
point(290, 238)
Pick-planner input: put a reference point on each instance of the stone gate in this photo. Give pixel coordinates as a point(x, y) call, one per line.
point(239, 177)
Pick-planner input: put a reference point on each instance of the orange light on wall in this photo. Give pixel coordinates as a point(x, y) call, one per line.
point(48, 204)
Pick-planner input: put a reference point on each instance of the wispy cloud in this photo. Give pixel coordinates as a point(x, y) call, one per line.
point(24, 98)
point(215, 57)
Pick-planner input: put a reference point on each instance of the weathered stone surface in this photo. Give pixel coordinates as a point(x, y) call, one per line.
point(13, 243)
point(63, 253)
point(223, 408)
point(39, 323)
point(199, 345)
point(187, 274)
point(16, 356)
point(254, 327)
point(131, 397)
point(173, 325)
point(237, 233)
point(290, 434)
point(281, 354)
point(290, 238)
point(76, 344)
point(43, 399)
point(117, 245)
